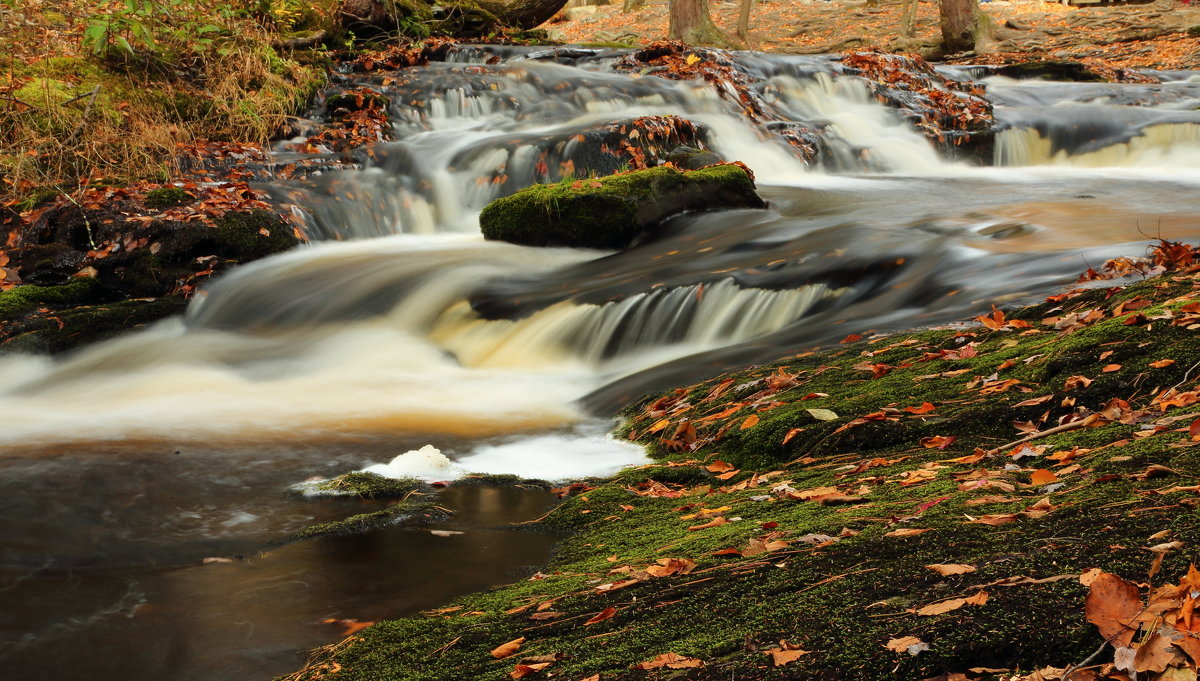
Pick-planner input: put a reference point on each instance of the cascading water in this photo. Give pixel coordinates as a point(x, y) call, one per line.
point(398, 326)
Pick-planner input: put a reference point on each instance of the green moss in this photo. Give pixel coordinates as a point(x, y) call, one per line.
point(405, 512)
point(611, 212)
point(165, 197)
point(68, 329)
point(23, 299)
point(254, 234)
point(370, 485)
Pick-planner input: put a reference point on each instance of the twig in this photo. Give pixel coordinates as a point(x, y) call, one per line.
point(1073, 425)
point(87, 112)
point(82, 213)
point(443, 649)
point(1067, 675)
point(1186, 375)
point(91, 93)
point(10, 98)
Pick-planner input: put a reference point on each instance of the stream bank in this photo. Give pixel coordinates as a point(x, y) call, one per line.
point(844, 498)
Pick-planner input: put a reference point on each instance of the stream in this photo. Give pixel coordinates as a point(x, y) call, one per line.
point(125, 465)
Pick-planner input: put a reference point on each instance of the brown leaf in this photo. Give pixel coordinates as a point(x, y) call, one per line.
point(523, 670)
point(1154, 654)
point(1035, 401)
point(941, 608)
point(508, 649)
point(1159, 364)
point(791, 434)
point(670, 661)
point(546, 615)
point(1109, 368)
point(947, 569)
point(1112, 605)
point(1076, 382)
point(907, 532)
point(750, 422)
point(782, 657)
point(601, 616)
point(938, 441)
point(978, 598)
point(907, 644)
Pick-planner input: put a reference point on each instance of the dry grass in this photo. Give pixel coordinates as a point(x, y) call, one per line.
point(67, 117)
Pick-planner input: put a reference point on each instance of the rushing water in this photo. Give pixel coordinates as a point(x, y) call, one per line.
point(124, 465)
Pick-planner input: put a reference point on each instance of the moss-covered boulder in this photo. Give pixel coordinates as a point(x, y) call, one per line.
point(612, 212)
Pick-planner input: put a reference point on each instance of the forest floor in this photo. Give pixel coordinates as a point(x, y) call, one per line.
point(1148, 36)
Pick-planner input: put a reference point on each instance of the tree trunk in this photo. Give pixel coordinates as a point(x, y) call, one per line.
point(633, 5)
point(743, 26)
point(908, 18)
point(691, 23)
point(958, 24)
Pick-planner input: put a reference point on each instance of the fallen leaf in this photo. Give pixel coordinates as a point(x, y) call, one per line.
point(942, 607)
point(670, 661)
point(978, 598)
point(1076, 382)
point(508, 649)
point(1109, 368)
point(1112, 604)
point(822, 414)
point(1042, 476)
point(715, 522)
point(907, 532)
point(523, 670)
point(445, 533)
point(907, 644)
point(750, 422)
point(1153, 654)
point(719, 466)
point(1159, 364)
point(601, 616)
point(947, 569)
point(349, 626)
point(782, 657)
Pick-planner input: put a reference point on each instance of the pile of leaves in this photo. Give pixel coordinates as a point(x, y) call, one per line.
point(946, 111)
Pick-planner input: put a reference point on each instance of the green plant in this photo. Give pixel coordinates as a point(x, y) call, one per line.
point(146, 23)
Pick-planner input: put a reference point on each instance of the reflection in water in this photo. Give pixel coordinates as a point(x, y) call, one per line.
point(250, 618)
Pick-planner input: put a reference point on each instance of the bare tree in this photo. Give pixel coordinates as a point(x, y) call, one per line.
point(908, 18)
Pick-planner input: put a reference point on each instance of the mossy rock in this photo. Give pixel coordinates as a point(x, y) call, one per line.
point(71, 328)
point(165, 197)
point(612, 212)
point(401, 513)
point(367, 485)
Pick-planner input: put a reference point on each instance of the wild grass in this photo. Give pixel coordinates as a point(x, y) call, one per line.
point(75, 109)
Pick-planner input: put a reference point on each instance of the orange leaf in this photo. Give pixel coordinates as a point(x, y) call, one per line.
point(750, 422)
point(719, 466)
point(508, 649)
point(925, 408)
point(659, 425)
point(941, 608)
point(1109, 368)
point(1042, 477)
point(791, 434)
point(715, 522)
point(601, 616)
point(1162, 363)
point(851, 338)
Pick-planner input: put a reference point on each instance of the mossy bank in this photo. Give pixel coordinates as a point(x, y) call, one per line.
point(799, 506)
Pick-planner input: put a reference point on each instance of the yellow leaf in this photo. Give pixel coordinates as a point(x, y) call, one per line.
point(750, 422)
point(659, 425)
point(692, 59)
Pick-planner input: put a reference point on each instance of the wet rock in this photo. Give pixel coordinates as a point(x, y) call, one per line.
point(691, 158)
point(614, 211)
point(414, 513)
point(1052, 69)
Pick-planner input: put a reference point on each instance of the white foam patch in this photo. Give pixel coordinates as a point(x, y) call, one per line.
point(427, 463)
point(555, 457)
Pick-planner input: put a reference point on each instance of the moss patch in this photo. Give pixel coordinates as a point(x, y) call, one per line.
point(613, 211)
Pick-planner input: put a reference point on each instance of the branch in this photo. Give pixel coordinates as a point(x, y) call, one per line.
point(302, 42)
